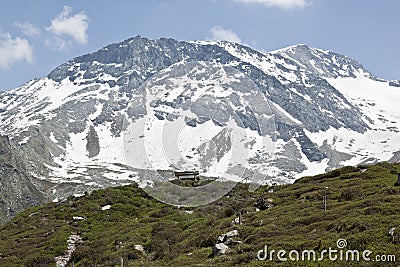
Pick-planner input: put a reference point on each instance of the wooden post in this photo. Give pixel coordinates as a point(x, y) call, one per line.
point(240, 217)
point(325, 203)
point(391, 233)
point(122, 262)
point(398, 180)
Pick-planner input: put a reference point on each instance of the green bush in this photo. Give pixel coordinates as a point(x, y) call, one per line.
point(361, 207)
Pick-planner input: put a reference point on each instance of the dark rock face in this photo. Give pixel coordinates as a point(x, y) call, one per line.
point(395, 83)
point(92, 145)
point(395, 158)
point(17, 190)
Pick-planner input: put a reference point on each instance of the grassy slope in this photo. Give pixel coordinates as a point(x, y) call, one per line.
point(361, 208)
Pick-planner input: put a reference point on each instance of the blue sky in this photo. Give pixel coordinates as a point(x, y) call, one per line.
point(38, 35)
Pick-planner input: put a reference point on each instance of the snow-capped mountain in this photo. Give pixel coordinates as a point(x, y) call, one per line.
point(109, 117)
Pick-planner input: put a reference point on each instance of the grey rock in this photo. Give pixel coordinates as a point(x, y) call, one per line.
point(395, 158)
point(92, 146)
point(17, 190)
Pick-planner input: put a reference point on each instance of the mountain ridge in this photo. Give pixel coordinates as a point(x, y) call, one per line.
point(80, 123)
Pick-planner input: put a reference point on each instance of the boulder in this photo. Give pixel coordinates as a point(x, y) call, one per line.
point(139, 248)
point(219, 249)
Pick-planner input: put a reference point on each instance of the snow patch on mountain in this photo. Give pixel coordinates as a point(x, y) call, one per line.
point(111, 116)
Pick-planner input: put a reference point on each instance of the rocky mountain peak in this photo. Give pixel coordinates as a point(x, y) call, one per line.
point(324, 63)
point(75, 122)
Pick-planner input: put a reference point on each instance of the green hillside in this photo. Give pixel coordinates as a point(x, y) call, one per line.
point(362, 204)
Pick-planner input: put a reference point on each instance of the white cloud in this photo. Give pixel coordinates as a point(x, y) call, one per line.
point(13, 50)
point(219, 33)
point(28, 28)
point(284, 4)
point(72, 26)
